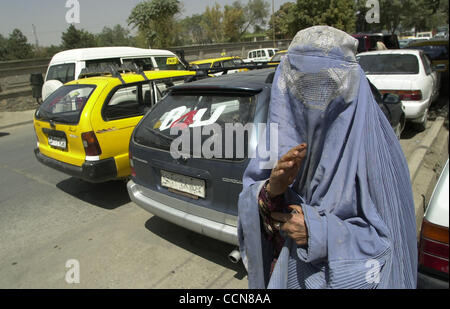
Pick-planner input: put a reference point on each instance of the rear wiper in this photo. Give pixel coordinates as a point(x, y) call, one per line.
point(168, 139)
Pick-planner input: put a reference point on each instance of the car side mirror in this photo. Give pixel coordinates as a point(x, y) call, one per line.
point(390, 98)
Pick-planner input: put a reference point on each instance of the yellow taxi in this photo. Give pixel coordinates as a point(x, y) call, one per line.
point(277, 57)
point(83, 129)
point(219, 63)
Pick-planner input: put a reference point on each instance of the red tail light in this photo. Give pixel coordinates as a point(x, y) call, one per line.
point(90, 143)
point(433, 249)
point(406, 95)
point(133, 172)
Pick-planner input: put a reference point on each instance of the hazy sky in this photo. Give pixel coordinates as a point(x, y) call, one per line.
point(49, 16)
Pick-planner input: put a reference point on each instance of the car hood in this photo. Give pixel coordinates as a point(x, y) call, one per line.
point(392, 82)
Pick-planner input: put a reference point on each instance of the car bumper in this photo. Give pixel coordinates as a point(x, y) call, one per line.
point(426, 281)
point(414, 109)
point(158, 204)
point(91, 171)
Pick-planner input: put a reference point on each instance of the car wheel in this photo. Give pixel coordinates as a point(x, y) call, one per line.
point(422, 125)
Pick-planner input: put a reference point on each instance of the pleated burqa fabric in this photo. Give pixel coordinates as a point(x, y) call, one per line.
point(354, 185)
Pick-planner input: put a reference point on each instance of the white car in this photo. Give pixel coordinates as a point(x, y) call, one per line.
point(433, 247)
point(67, 65)
point(260, 55)
point(407, 73)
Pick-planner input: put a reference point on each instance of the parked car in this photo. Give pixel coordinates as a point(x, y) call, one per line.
point(433, 245)
point(437, 52)
point(219, 63)
point(67, 65)
point(260, 55)
point(407, 73)
point(277, 57)
point(83, 128)
point(194, 191)
point(368, 42)
point(424, 35)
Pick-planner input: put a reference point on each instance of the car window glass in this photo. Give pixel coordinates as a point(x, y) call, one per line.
point(65, 104)
point(193, 111)
point(258, 54)
point(126, 102)
point(92, 64)
point(217, 64)
point(145, 64)
point(62, 72)
point(389, 64)
point(169, 63)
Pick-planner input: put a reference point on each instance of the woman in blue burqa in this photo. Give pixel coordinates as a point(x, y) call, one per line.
point(336, 210)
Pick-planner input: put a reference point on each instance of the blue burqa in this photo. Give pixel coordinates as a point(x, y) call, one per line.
point(354, 186)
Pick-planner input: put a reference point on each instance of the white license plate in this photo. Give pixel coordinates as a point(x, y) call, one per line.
point(183, 183)
point(57, 142)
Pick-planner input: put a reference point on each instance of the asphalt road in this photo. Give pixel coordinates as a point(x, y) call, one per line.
point(48, 218)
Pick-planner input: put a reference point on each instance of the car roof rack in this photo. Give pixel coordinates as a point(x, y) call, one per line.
point(113, 70)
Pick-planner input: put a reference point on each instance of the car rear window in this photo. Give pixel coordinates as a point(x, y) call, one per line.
point(389, 64)
point(196, 111)
point(65, 104)
point(434, 52)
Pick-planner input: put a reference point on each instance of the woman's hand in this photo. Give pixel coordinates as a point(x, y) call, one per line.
point(293, 224)
point(287, 168)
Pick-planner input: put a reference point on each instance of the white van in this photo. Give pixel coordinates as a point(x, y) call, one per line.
point(260, 55)
point(67, 65)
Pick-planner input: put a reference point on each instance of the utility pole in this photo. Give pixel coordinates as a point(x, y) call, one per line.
point(35, 35)
point(273, 24)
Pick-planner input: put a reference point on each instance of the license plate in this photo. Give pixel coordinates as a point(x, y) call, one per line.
point(58, 142)
point(183, 183)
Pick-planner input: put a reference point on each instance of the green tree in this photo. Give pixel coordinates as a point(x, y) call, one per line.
point(74, 38)
point(191, 30)
point(212, 23)
point(116, 36)
point(233, 21)
point(17, 46)
point(282, 20)
point(3, 42)
point(335, 13)
point(156, 20)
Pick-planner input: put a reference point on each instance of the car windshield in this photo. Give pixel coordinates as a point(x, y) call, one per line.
point(169, 63)
point(65, 104)
point(434, 52)
point(198, 112)
point(389, 64)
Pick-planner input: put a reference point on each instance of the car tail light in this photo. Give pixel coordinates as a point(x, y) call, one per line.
point(433, 248)
point(90, 143)
point(406, 95)
point(133, 172)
